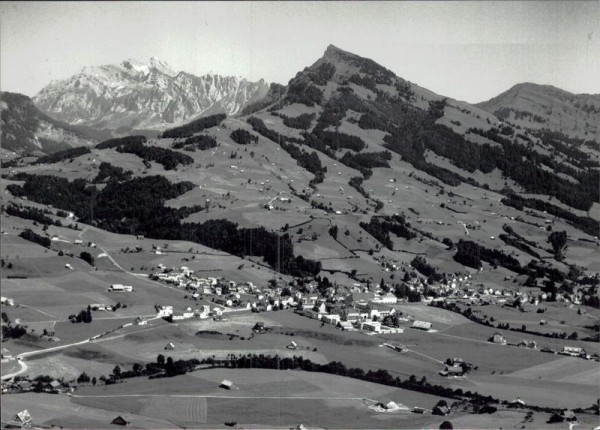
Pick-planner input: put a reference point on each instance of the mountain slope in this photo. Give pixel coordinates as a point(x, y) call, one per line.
point(135, 95)
point(24, 129)
point(546, 107)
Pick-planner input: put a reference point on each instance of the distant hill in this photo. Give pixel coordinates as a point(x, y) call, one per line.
point(546, 107)
point(135, 95)
point(343, 101)
point(26, 130)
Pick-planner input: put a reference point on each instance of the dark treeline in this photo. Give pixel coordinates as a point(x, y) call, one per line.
point(169, 159)
point(112, 173)
point(201, 142)
point(301, 122)
point(366, 161)
point(426, 269)
point(337, 140)
point(63, 155)
point(380, 228)
point(137, 207)
point(585, 224)
point(516, 243)
point(471, 254)
point(32, 236)
point(356, 183)
point(113, 143)
point(33, 214)
point(568, 146)
point(243, 137)
point(194, 127)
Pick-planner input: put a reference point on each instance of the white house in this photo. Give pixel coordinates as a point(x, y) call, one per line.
point(121, 288)
point(163, 311)
point(422, 325)
point(371, 326)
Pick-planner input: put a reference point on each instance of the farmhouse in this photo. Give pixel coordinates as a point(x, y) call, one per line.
point(573, 351)
point(24, 419)
point(120, 421)
point(121, 288)
point(292, 345)
point(140, 321)
point(7, 302)
point(440, 410)
point(452, 371)
point(422, 325)
point(498, 338)
point(163, 311)
point(185, 314)
point(531, 344)
point(226, 383)
point(371, 326)
point(331, 319)
point(517, 402)
point(6, 353)
point(346, 325)
point(389, 299)
point(78, 242)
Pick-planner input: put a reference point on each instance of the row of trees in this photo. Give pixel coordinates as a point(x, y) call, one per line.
point(32, 236)
point(586, 224)
point(193, 127)
point(31, 213)
point(200, 141)
point(63, 155)
point(168, 158)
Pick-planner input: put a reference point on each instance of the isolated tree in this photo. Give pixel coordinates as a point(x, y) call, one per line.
point(87, 257)
point(94, 381)
point(117, 372)
point(160, 359)
point(83, 378)
point(446, 425)
point(558, 240)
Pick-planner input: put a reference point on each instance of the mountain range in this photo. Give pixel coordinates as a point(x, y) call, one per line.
point(144, 95)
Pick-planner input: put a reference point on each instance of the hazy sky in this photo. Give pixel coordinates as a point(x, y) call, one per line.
point(466, 50)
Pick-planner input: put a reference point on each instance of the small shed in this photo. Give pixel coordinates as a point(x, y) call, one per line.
point(169, 346)
point(24, 417)
point(120, 421)
point(422, 325)
point(226, 383)
point(440, 410)
point(292, 345)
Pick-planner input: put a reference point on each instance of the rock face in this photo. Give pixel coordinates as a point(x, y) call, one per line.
point(135, 95)
point(543, 106)
point(26, 130)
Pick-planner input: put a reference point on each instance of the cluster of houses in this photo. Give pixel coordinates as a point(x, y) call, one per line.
point(24, 385)
point(572, 351)
point(358, 311)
